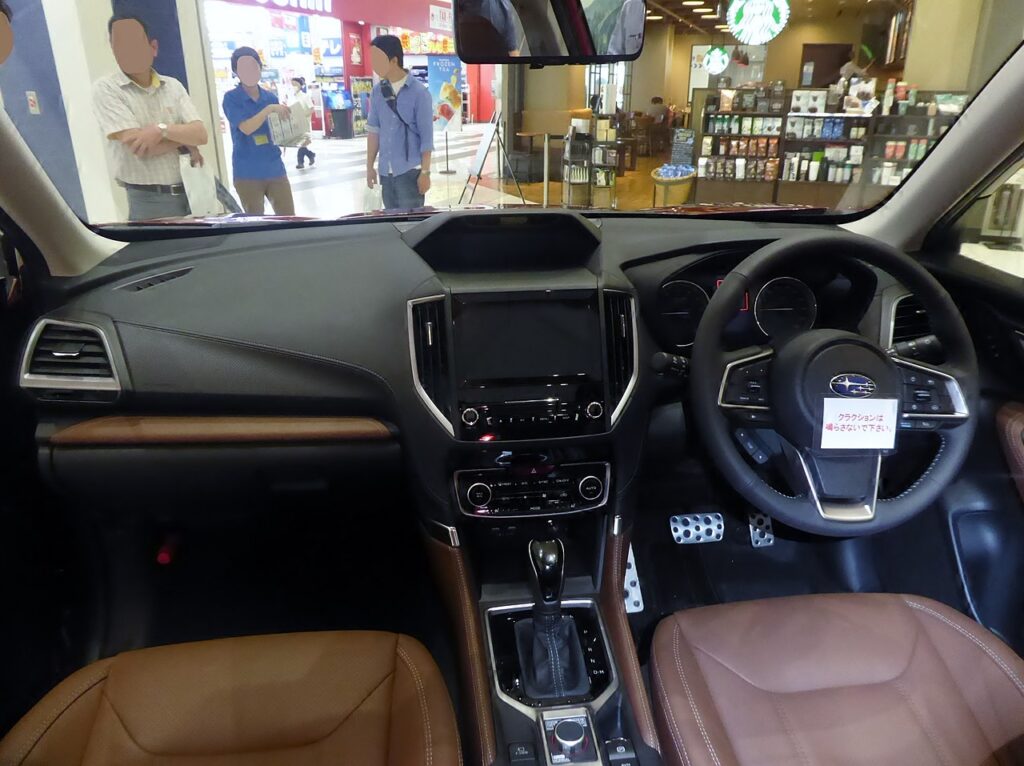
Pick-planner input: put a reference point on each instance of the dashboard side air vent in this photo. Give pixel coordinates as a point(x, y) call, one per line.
point(69, 361)
point(428, 346)
point(909, 320)
point(156, 279)
point(620, 334)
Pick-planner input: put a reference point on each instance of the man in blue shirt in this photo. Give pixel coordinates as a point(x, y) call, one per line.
point(255, 159)
point(401, 129)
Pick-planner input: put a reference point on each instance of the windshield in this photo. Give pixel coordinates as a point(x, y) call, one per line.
point(317, 109)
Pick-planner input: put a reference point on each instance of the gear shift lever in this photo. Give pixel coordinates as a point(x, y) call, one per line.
point(550, 655)
point(547, 576)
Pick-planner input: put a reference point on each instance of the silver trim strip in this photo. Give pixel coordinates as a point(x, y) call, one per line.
point(534, 712)
point(725, 379)
point(956, 393)
point(848, 513)
point(67, 382)
point(438, 415)
point(594, 506)
point(628, 393)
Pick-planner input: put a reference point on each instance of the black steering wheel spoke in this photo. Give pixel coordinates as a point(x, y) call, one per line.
point(743, 393)
point(841, 488)
point(933, 398)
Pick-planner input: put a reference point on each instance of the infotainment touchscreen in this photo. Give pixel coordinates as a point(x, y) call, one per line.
point(527, 336)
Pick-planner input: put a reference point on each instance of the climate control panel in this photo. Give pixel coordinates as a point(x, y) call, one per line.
point(536, 490)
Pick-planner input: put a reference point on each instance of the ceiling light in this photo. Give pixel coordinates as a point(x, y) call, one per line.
point(707, 14)
point(655, 18)
point(692, 3)
point(703, 9)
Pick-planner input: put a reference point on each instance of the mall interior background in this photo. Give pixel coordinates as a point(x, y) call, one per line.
point(62, 48)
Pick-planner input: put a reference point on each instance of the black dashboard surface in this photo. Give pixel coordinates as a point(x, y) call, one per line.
point(315, 320)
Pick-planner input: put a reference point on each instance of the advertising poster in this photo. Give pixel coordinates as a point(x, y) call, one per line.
point(444, 80)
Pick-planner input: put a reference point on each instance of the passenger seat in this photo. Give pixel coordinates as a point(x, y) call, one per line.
point(363, 698)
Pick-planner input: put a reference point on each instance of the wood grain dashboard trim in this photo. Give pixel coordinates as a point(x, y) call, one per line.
point(134, 431)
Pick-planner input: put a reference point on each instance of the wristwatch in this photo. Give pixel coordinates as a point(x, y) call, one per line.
point(163, 130)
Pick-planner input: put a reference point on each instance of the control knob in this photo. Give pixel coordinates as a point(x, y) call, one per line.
point(470, 416)
point(595, 410)
point(591, 488)
point(479, 495)
point(569, 735)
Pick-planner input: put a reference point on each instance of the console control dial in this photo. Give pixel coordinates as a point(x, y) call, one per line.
point(470, 416)
point(595, 410)
point(479, 495)
point(591, 488)
point(569, 735)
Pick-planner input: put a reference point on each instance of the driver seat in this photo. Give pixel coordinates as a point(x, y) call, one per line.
point(835, 679)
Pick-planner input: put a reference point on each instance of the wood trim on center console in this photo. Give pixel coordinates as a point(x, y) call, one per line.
point(137, 431)
point(453, 579)
point(621, 637)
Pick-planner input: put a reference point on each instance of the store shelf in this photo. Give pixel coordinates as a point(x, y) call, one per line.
point(840, 141)
point(845, 115)
point(751, 114)
point(744, 135)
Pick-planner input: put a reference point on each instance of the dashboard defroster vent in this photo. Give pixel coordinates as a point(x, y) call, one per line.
point(69, 361)
point(909, 320)
point(428, 346)
point(157, 279)
point(620, 333)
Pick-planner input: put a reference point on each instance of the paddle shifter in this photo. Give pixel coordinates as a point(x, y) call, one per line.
point(548, 644)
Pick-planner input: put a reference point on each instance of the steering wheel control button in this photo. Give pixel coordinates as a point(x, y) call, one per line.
point(747, 385)
point(695, 528)
point(595, 410)
point(479, 495)
point(470, 416)
point(591, 488)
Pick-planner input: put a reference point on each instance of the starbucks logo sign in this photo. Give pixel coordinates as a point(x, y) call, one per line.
point(716, 60)
point(755, 22)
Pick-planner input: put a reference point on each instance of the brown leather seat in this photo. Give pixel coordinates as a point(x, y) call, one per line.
point(844, 679)
point(342, 698)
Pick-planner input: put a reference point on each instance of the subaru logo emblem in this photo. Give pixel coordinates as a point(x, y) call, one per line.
point(852, 385)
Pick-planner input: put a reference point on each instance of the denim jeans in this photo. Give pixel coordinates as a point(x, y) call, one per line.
point(401, 192)
point(144, 205)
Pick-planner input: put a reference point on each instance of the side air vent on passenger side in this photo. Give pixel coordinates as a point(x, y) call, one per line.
point(910, 320)
point(152, 281)
point(69, 361)
point(428, 345)
point(620, 335)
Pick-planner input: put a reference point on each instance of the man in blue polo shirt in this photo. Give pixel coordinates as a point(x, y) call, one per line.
point(401, 129)
point(255, 159)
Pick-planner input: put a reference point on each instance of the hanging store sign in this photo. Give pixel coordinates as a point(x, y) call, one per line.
point(716, 60)
point(309, 6)
point(755, 22)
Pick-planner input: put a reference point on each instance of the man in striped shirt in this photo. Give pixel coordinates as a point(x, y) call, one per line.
point(148, 119)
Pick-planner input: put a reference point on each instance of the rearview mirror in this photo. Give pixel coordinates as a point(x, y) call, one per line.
point(549, 31)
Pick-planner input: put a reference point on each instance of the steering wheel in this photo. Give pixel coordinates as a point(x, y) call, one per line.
point(835, 490)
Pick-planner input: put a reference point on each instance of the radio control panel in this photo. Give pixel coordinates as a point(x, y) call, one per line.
point(541, 490)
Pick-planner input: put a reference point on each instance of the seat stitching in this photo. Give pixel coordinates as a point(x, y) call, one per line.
point(423, 703)
point(932, 735)
point(787, 724)
point(674, 727)
point(689, 696)
point(65, 704)
point(974, 640)
point(470, 637)
point(331, 733)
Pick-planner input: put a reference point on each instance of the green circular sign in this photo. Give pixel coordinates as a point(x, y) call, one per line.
point(755, 22)
point(716, 60)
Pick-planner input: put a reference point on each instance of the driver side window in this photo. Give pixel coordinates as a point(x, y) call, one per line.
point(992, 228)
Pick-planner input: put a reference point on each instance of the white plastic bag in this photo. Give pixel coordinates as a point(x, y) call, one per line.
point(373, 199)
point(200, 188)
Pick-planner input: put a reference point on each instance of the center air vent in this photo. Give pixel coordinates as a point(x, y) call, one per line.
point(620, 333)
point(69, 361)
point(428, 344)
point(910, 320)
